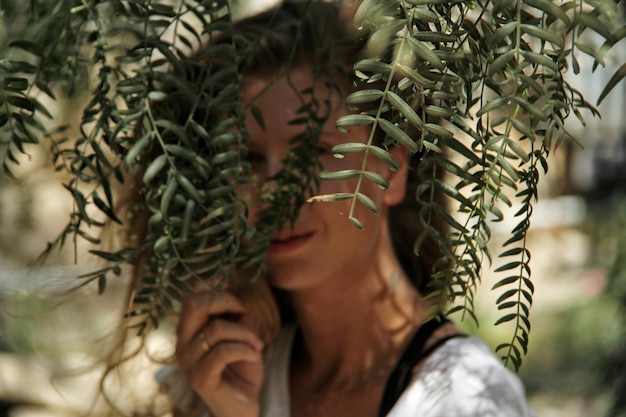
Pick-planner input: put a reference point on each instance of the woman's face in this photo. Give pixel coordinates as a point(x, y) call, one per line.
point(323, 245)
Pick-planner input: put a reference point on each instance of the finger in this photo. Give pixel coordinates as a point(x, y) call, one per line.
point(220, 330)
point(216, 332)
point(208, 375)
point(197, 308)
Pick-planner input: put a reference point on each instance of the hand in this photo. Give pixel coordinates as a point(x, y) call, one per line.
point(220, 356)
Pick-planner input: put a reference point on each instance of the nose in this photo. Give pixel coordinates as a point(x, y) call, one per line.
point(273, 165)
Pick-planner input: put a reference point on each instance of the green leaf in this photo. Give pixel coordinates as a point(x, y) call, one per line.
point(438, 111)
point(540, 89)
point(398, 135)
point(540, 59)
point(388, 158)
point(3, 119)
point(531, 108)
point(227, 209)
point(592, 22)
point(431, 146)
point(88, 237)
point(346, 148)
point(505, 281)
point(493, 104)
point(131, 86)
point(424, 15)
point(107, 256)
point(181, 152)
point(407, 111)
point(523, 128)
point(434, 37)
point(10, 66)
point(508, 304)
point(80, 200)
point(154, 168)
point(226, 139)
point(106, 209)
point(517, 149)
point(550, 8)
point(227, 157)
point(137, 149)
point(102, 280)
point(168, 194)
point(373, 66)
point(190, 208)
point(421, 51)
point(170, 127)
point(367, 202)
point(500, 62)
point(357, 223)
point(416, 77)
point(258, 116)
point(512, 252)
point(385, 32)
point(459, 147)
point(354, 120)
point(377, 179)
point(438, 130)
point(326, 198)
point(188, 186)
point(15, 84)
point(215, 228)
point(21, 102)
point(341, 175)
point(442, 212)
point(501, 33)
point(615, 79)
point(543, 34)
point(364, 96)
point(508, 266)
point(453, 192)
point(505, 319)
point(506, 295)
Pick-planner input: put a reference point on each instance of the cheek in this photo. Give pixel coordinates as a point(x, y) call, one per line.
point(251, 194)
point(353, 161)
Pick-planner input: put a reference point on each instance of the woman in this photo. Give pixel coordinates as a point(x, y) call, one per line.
point(362, 339)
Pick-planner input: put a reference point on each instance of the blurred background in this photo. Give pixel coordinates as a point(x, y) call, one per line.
point(51, 343)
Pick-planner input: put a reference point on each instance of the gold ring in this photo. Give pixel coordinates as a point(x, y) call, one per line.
point(203, 343)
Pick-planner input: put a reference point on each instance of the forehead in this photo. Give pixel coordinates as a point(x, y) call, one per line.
point(291, 87)
point(280, 97)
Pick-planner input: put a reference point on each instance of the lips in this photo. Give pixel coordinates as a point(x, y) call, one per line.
point(285, 244)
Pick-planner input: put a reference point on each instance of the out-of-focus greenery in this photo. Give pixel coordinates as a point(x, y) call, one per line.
point(609, 243)
point(579, 349)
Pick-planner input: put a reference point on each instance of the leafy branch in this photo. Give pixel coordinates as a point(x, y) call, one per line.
point(474, 88)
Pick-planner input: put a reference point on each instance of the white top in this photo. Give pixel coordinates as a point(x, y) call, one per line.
point(462, 378)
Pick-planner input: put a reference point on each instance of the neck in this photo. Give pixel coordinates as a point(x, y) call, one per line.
point(357, 329)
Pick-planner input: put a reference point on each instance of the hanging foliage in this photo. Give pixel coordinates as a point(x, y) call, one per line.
point(481, 81)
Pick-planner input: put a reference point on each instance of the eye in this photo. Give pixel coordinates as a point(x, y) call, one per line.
point(255, 158)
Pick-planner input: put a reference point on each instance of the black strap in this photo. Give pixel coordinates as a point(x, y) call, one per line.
point(403, 372)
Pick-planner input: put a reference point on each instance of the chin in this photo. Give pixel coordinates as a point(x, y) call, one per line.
point(289, 278)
